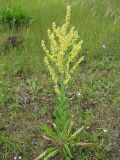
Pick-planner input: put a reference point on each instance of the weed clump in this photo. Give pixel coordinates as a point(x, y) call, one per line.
point(15, 17)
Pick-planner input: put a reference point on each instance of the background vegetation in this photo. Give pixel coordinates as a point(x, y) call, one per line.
point(26, 97)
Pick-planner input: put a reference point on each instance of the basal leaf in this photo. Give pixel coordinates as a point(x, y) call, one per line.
point(51, 154)
point(67, 149)
point(45, 153)
point(72, 137)
point(50, 133)
point(85, 144)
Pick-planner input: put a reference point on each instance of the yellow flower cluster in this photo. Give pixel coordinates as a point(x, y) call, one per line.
point(61, 58)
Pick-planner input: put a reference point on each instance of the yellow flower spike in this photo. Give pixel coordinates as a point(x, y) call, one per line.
point(53, 26)
point(63, 51)
point(75, 66)
point(44, 48)
point(57, 90)
point(68, 16)
point(68, 77)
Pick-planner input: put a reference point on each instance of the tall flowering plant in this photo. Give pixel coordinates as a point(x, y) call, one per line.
point(61, 59)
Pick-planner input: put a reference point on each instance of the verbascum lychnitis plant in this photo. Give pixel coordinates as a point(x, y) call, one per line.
point(61, 59)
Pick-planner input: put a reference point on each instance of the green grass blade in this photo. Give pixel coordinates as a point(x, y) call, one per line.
point(50, 133)
point(49, 150)
point(75, 134)
point(67, 149)
point(51, 154)
point(85, 144)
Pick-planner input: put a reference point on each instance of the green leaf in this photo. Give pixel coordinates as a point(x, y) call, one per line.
point(62, 114)
point(85, 144)
point(75, 134)
point(69, 128)
point(66, 157)
point(50, 133)
point(67, 149)
point(51, 154)
point(45, 153)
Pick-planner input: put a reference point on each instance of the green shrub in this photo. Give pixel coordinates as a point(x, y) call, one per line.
point(15, 17)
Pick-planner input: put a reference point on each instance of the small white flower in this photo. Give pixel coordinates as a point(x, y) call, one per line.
point(78, 94)
point(54, 125)
point(105, 130)
point(104, 46)
point(15, 158)
point(20, 157)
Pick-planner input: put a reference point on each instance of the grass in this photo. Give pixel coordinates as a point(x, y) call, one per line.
point(94, 92)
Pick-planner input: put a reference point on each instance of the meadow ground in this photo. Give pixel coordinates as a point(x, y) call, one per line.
point(26, 90)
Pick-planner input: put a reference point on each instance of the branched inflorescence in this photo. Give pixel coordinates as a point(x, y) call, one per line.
point(62, 56)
